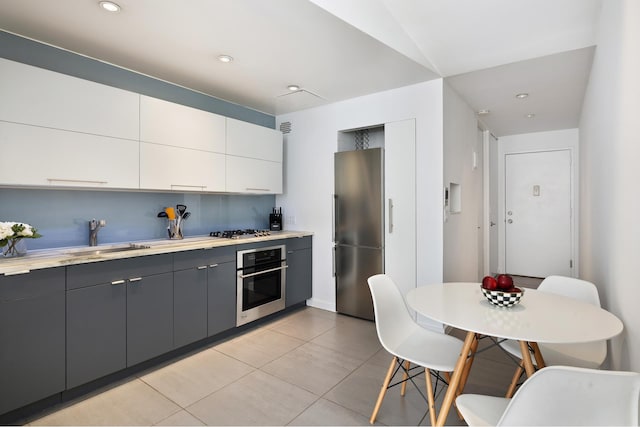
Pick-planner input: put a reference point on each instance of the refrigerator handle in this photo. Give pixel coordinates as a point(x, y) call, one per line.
point(333, 261)
point(334, 215)
point(390, 216)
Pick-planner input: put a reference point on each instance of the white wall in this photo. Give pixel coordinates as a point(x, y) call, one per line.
point(461, 232)
point(610, 164)
point(308, 173)
point(531, 142)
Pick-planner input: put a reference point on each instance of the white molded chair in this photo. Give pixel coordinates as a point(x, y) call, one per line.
point(560, 396)
point(407, 341)
point(583, 355)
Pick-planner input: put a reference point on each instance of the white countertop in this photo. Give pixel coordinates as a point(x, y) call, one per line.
point(56, 257)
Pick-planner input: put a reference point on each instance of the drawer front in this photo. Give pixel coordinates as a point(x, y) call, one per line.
point(200, 257)
point(34, 283)
point(298, 243)
point(83, 275)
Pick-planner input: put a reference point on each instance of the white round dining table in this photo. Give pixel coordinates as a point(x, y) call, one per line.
point(540, 317)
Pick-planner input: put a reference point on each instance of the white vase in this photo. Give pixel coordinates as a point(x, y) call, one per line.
point(15, 248)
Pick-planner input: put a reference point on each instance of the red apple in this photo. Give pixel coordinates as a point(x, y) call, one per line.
point(505, 282)
point(513, 289)
point(490, 283)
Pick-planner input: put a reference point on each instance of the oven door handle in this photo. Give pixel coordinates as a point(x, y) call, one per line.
point(244, 276)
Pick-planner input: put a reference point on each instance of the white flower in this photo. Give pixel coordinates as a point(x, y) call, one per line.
point(26, 232)
point(5, 230)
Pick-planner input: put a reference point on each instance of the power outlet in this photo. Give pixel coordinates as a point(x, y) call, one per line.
point(291, 219)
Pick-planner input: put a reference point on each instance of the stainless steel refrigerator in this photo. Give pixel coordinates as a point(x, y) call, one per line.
point(358, 228)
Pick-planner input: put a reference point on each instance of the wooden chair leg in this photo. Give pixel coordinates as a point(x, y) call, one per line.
point(514, 381)
point(405, 377)
point(432, 403)
point(383, 390)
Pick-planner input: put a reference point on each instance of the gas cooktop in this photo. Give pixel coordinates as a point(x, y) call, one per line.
point(236, 234)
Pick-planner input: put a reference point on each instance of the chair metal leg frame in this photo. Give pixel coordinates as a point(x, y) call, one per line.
point(397, 364)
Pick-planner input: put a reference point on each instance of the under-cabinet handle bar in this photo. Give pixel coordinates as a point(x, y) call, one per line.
point(188, 186)
point(257, 189)
point(15, 273)
point(202, 267)
point(390, 216)
point(117, 282)
point(213, 265)
point(271, 270)
point(85, 181)
point(135, 279)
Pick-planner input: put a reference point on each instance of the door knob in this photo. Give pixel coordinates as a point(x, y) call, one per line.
point(510, 221)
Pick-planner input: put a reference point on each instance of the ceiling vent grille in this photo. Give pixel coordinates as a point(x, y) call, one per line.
point(285, 127)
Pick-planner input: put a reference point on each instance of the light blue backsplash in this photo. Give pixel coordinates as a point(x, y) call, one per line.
point(62, 216)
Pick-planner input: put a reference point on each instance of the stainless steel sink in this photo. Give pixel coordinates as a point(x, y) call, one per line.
point(106, 250)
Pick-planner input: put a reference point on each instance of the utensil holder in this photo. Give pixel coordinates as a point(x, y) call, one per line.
point(175, 229)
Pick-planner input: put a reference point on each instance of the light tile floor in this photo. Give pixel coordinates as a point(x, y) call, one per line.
point(310, 367)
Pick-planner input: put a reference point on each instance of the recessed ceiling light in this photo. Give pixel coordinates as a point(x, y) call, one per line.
point(109, 6)
point(483, 112)
point(225, 58)
point(293, 87)
point(530, 116)
point(522, 95)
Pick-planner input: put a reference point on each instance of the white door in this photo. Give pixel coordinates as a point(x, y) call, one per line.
point(538, 213)
point(493, 205)
point(400, 203)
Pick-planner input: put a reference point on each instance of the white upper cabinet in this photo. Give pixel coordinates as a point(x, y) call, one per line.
point(254, 158)
point(257, 142)
point(253, 176)
point(39, 156)
point(34, 96)
point(164, 167)
point(167, 123)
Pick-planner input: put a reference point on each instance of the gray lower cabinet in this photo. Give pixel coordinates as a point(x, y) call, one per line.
point(299, 283)
point(109, 306)
point(31, 337)
point(204, 293)
point(189, 305)
point(96, 332)
point(149, 317)
point(221, 297)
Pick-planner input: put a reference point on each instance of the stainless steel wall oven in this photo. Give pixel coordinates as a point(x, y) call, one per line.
point(261, 282)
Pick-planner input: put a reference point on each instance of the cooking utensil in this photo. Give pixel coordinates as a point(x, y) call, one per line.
point(171, 213)
point(162, 215)
point(181, 209)
point(186, 215)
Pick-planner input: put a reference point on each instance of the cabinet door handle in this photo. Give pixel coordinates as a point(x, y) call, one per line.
point(289, 252)
point(135, 279)
point(202, 267)
point(213, 265)
point(117, 282)
point(15, 273)
point(390, 216)
point(256, 189)
point(78, 181)
point(178, 186)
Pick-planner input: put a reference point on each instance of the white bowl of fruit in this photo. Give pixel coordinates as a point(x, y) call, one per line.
point(500, 290)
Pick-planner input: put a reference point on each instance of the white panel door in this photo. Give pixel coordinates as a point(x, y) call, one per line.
point(253, 176)
point(538, 231)
point(32, 95)
point(253, 141)
point(400, 203)
point(163, 167)
point(168, 123)
point(50, 157)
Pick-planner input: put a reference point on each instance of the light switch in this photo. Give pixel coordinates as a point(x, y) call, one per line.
point(536, 190)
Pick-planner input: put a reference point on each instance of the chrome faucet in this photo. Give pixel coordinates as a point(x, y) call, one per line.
point(94, 226)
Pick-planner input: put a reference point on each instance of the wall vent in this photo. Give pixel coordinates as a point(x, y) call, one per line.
point(285, 127)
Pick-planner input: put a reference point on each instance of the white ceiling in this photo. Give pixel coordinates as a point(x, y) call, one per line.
point(487, 50)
